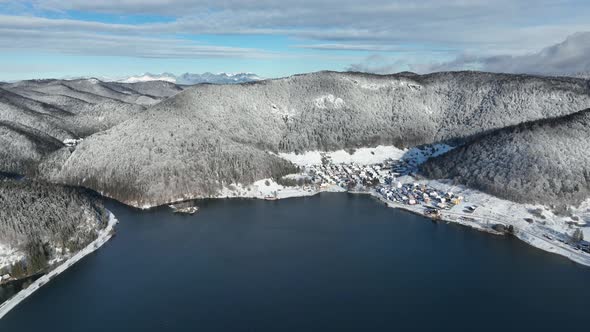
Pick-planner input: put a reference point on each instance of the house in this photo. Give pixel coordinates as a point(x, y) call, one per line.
point(69, 142)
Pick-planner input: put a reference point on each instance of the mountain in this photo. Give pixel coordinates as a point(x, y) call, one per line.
point(34, 114)
point(37, 115)
point(191, 79)
point(544, 161)
point(584, 75)
point(155, 89)
point(23, 147)
point(147, 77)
point(210, 136)
point(221, 78)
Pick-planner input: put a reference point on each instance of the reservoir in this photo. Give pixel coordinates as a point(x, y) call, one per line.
point(332, 262)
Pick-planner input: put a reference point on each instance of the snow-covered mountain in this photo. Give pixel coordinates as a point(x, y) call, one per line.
point(208, 136)
point(585, 75)
point(190, 79)
point(147, 77)
point(160, 142)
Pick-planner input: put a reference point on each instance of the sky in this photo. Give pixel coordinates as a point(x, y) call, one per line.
point(117, 38)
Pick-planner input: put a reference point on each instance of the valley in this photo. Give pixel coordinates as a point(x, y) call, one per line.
point(498, 153)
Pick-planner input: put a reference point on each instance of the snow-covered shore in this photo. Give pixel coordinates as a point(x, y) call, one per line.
point(491, 211)
point(548, 231)
point(103, 236)
point(488, 216)
point(544, 229)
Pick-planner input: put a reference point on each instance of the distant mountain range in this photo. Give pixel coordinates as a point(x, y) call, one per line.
point(585, 75)
point(190, 79)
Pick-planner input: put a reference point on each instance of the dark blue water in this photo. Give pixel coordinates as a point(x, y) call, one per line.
point(333, 262)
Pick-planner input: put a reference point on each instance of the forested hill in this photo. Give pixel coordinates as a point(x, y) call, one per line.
point(191, 144)
point(37, 115)
point(40, 222)
point(21, 147)
point(545, 161)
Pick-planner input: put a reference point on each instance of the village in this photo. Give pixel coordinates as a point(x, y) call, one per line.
point(386, 179)
point(394, 182)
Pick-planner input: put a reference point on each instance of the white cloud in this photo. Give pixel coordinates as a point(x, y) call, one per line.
point(87, 43)
point(480, 28)
point(366, 48)
point(567, 57)
point(377, 64)
point(516, 25)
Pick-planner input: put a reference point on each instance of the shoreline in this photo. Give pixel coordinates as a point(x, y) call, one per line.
point(103, 237)
point(479, 222)
point(523, 235)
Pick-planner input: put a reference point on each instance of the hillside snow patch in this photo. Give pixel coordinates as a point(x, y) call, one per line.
point(328, 101)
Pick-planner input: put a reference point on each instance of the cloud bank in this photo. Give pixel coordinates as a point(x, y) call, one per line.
point(571, 56)
point(501, 35)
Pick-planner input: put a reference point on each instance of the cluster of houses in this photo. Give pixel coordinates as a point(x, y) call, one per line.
point(386, 179)
point(400, 167)
point(383, 177)
point(347, 176)
point(414, 193)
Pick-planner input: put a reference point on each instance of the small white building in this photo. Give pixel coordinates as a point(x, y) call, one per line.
point(72, 142)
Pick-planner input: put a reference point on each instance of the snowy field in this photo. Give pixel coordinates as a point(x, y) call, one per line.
point(363, 156)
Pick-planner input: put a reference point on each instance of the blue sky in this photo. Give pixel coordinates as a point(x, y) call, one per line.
point(115, 38)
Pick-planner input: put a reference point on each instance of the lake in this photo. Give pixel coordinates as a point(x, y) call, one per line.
point(332, 262)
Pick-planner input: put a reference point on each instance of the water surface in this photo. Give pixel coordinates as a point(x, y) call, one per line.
point(333, 262)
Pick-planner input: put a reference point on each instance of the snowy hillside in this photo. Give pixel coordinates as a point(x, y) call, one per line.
point(41, 224)
point(147, 77)
point(544, 162)
point(37, 115)
point(208, 136)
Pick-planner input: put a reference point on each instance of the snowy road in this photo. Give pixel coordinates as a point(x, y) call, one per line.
point(103, 236)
